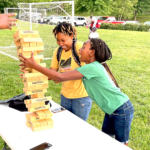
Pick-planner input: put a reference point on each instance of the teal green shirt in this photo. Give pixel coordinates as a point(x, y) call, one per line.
point(100, 87)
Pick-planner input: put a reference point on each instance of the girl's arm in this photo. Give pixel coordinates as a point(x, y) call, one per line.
point(54, 69)
point(30, 63)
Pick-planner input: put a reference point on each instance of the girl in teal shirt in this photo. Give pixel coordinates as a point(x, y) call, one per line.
point(100, 85)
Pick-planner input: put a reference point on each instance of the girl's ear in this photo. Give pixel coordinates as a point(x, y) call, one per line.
point(71, 36)
point(92, 53)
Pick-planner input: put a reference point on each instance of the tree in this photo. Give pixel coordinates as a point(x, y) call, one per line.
point(141, 6)
point(6, 3)
point(101, 6)
point(13, 3)
point(123, 8)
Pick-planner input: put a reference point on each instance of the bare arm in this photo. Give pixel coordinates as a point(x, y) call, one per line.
point(54, 69)
point(52, 74)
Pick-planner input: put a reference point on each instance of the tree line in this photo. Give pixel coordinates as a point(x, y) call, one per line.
point(121, 9)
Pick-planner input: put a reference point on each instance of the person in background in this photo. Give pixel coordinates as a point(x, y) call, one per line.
point(41, 21)
point(93, 33)
point(87, 25)
point(6, 22)
point(93, 22)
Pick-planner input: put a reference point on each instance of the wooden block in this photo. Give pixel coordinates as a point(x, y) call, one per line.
point(35, 87)
point(32, 75)
point(38, 108)
point(37, 57)
point(31, 40)
point(28, 53)
point(49, 121)
point(34, 71)
point(35, 82)
point(25, 44)
point(36, 36)
point(48, 113)
point(32, 117)
point(37, 77)
point(40, 114)
point(35, 124)
point(28, 124)
point(37, 95)
point(37, 61)
point(39, 44)
point(35, 116)
point(33, 44)
point(36, 104)
point(43, 123)
point(29, 35)
point(35, 91)
point(19, 36)
point(26, 31)
point(27, 101)
point(39, 48)
point(42, 128)
point(43, 99)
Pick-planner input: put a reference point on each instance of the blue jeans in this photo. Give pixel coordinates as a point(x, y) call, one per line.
point(80, 106)
point(119, 122)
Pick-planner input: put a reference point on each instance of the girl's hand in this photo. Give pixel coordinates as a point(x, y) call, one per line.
point(27, 62)
point(21, 75)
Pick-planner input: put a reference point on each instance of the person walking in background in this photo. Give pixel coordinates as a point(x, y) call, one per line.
point(93, 33)
point(93, 21)
point(6, 22)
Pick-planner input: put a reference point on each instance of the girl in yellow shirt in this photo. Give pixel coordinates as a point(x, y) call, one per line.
point(73, 94)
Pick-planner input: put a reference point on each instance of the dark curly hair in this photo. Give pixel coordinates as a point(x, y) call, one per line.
point(102, 53)
point(65, 28)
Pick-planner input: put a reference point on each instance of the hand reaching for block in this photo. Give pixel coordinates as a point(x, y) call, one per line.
point(27, 62)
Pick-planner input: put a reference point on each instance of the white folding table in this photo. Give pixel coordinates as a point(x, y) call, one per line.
point(69, 132)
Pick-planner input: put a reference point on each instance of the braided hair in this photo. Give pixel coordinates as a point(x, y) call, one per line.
point(102, 53)
point(65, 28)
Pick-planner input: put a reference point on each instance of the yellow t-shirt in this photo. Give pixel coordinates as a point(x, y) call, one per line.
point(73, 88)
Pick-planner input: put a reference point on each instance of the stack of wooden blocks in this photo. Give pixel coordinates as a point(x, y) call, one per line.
point(35, 83)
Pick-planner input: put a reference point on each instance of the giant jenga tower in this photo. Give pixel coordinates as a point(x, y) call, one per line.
point(35, 83)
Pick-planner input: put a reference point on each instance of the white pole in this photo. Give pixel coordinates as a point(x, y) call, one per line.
point(73, 13)
point(47, 3)
point(30, 16)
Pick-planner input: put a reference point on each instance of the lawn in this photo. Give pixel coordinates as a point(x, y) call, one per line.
point(130, 66)
point(143, 18)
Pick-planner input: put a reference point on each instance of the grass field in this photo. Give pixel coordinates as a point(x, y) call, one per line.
point(143, 17)
point(130, 66)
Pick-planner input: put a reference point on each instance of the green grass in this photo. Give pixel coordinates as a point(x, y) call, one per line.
point(143, 18)
point(130, 66)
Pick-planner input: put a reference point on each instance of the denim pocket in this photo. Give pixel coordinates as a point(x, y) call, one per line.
point(120, 111)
